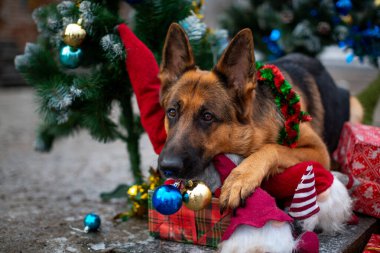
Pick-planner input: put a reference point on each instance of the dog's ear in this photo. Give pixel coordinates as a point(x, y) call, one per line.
point(236, 68)
point(237, 64)
point(177, 57)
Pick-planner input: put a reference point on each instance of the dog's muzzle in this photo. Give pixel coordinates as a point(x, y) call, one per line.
point(170, 166)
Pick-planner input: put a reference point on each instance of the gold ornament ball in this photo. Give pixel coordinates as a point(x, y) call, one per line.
point(347, 19)
point(74, 35)
point(197, 196)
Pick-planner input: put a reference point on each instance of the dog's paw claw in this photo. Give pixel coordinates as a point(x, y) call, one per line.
point(236, 188)
point(242, 202)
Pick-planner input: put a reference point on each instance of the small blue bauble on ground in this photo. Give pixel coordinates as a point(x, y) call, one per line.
point(70, 57)
point(91, 222)
point(167, 199)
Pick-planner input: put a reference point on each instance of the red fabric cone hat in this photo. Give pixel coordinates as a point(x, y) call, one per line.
point(304, 203)
point(259, 209)
point(143, 72)
point(283, 186)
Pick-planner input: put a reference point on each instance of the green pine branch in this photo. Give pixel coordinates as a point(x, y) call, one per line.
point(369, 98)
point(153, 18)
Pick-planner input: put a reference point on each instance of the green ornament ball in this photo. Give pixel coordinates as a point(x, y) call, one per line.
point(70, 57)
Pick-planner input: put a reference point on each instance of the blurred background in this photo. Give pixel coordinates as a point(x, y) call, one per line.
point(17, 27)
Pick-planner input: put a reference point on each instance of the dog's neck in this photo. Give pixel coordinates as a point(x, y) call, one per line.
point(210, 177)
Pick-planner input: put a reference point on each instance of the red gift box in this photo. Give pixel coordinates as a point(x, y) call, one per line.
point(366, 198)
point(359, 151)
point(373, 244)
point(204, 227)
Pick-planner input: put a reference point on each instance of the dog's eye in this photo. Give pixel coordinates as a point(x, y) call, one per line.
point(207, 116)
point(172, 113)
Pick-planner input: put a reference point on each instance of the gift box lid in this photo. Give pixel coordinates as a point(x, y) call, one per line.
point(355, 139)
point(365, 133)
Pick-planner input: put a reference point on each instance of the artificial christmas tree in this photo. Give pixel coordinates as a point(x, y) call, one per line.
point(77, 68)
point(80, 68)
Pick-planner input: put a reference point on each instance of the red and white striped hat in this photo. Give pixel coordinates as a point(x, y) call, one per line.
point(304, 203)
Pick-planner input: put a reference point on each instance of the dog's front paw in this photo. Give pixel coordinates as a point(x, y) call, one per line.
point(236, 188)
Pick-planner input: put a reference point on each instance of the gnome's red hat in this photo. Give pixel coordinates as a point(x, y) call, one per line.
point(143, 73)
point(304, 203)
point(259, 208)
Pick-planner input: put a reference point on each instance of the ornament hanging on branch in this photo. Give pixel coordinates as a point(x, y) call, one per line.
point(324, 28)
point(198, 7)
point(70, 57)
point(74, 34)
point(287, 16)
point(347, 19)
point(343, 6)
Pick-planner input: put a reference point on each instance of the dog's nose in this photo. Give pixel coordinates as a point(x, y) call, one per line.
point(170, 166)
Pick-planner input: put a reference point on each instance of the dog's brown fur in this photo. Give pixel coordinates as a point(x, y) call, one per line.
point(225, 111)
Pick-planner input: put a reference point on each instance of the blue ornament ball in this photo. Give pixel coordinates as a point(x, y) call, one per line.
point(91, 222)
point(275, 35)
point(70, 57)
point(167, 199)
point(343, 6)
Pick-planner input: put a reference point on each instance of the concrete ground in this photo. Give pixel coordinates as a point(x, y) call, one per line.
point(44, 197)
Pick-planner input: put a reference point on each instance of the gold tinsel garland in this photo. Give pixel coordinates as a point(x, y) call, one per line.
point(137, 197)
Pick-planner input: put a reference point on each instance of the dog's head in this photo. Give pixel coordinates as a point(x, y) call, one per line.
point(205, 110)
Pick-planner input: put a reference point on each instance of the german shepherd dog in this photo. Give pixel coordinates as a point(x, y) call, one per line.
point(225, 111)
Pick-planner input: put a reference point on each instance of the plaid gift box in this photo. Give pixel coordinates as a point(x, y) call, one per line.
point(373, 244)
point(204, 227)
point(359, 151)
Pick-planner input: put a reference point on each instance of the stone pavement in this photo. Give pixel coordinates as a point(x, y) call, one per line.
point(44, 197)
